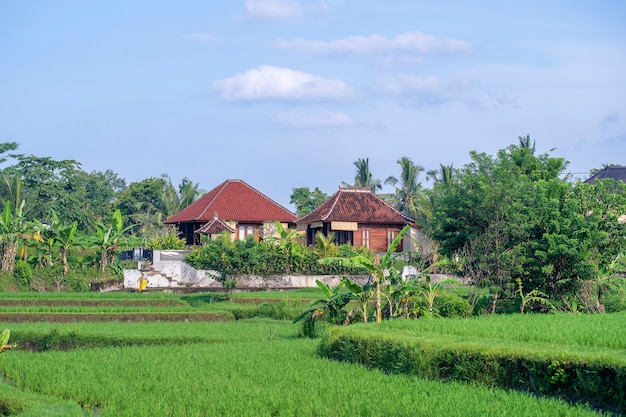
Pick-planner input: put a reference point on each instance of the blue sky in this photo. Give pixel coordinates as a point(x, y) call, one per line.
point(286, 93)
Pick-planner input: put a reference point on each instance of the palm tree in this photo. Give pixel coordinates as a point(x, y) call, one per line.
point(325, 245)
point(406, 196)
point(12, 190)
point(524, 143)
point(174, 200)
point(188, 192)
point(363, 177)
point(444, 175)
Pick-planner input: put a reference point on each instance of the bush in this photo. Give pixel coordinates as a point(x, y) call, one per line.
point(168, 241)
point(451, 305)
point(246, 257)
point(23, 273)
point(614, 303)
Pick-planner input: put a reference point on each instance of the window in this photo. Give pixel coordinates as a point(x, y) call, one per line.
point(343, 237)
point(366, 237)
point(391, 235)
point(245, 231)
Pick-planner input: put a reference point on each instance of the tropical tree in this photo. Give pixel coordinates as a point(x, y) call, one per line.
point(524, 143)
point(66, 235)
point(330, 306)
point(363, 177)
point(109, 236)
point(13, 227)
point(377, 268)
point(325, 246)
point(47, 185)
point(12, 190)
point(175, 200)
point(143, 197)
point(6, 147)
point(306, 200)
point(362, 294)
point(188, 192)
point(513, 216)
point(407, 195)
point(444, 175)
point(532, 296)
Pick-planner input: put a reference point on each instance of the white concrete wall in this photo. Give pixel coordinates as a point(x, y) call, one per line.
point(169, 271)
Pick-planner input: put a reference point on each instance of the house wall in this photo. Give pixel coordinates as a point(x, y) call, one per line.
point(378, 236)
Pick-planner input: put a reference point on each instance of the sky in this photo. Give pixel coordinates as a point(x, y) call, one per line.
point(290, 93)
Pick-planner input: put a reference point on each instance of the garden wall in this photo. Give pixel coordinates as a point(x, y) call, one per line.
point(168, 270)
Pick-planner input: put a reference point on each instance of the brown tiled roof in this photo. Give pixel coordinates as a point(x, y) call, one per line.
point(215, 227)
point(233, 200)
point(356, 205)
point(614, 171)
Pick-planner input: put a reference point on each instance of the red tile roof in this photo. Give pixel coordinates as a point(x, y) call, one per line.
point(233, 200)
point(215, 227)
point(356, 205)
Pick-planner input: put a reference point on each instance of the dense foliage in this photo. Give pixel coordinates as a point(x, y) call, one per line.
point(250, 257)
point(512, 217)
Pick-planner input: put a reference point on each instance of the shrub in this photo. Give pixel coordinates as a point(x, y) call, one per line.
point(168, 241)
point(451, 305)
point(244, 257)
point(614, 302)
point(23, 273)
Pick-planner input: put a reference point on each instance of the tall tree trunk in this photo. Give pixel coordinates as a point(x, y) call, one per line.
point(103, 260)
point(379, 317)
point(64, 261)
point(495, 301)
point(8, 256)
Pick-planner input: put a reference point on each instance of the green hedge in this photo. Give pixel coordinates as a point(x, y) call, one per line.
point(593, 376)
point(58, 340)
point(244, 257)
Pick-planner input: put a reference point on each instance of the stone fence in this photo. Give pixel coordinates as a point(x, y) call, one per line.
point(169, 271)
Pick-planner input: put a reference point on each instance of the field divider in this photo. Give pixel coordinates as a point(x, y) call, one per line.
point(576, 374)
point(112, 316)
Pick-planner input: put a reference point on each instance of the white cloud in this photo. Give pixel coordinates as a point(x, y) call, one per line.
point(423, 91)
point(406, 43)
point(307, 120)
point(273, 9)
point(201, 37)
point(281, 84)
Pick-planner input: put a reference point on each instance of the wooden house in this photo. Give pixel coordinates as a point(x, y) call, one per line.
point(235, 207)
point(358, 217)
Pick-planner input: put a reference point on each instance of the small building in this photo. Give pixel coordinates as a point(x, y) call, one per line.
point(358, 217)
point(617, 172)
point(235, 207)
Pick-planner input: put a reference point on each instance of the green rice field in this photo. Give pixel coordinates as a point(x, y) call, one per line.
point(251, 367)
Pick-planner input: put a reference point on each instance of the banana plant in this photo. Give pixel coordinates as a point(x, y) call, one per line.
point(4, 340)
point(330, 305)
point(361, 294)
point(378, 269)
point(531, 296)
point(65, 236)
point(13, 228)
point(109, 236)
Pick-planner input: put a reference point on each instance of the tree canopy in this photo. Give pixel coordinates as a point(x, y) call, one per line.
point(512, 216)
